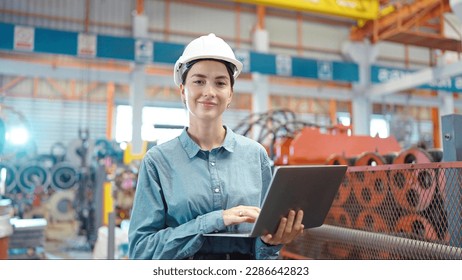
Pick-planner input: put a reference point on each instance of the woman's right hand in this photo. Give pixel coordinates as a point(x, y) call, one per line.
point(240, 214)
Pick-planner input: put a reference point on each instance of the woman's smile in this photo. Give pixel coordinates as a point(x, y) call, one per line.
point(208, 104)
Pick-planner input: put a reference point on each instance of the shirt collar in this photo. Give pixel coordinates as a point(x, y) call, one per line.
point(192, 148)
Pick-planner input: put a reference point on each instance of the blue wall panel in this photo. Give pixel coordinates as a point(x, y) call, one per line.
point(54, 41)
point(303, 67)
point(167, 52)
point(263, 63)
point(123, 48)
point(6, 36)
point(115, 47)
point(345, 71)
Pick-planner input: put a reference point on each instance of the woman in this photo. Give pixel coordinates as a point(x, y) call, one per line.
point(208, 179)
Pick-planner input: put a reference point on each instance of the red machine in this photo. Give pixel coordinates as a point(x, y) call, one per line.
point(311, 146)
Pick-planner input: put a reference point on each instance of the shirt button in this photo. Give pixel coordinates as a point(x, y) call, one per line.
point(217, 190)
point(212, 163)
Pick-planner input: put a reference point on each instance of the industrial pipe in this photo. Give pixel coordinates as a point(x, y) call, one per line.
point(393, 244)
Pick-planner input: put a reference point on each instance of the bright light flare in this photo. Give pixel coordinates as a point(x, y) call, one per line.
point(123, 145)
point(18, 136)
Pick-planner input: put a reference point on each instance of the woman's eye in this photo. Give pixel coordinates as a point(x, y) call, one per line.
point(198, 82)
point(221, 83)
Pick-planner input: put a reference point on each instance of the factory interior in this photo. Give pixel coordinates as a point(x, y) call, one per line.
point(87, 88)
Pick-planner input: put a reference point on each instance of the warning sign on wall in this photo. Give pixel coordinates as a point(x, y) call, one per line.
point(86, 45)
point(24, 38)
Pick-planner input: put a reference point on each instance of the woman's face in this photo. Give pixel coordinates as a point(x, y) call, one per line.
point(207, 90)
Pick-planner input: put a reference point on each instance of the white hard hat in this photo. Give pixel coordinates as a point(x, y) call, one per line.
point(204, 47)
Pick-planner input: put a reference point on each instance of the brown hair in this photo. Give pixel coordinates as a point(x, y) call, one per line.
point(229, 67)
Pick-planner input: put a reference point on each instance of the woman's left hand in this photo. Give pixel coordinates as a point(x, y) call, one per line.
point(289, 228)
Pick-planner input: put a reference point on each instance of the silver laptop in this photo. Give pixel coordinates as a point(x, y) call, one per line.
point(311, 188)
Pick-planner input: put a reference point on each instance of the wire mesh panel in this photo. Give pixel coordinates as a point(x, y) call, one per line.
point(396, 211)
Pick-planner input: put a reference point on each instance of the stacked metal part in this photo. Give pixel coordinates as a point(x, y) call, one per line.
point(399, 209)
point(5, 227)
point(30, 183)
point(27, 177)
point(63, 186)
point(28, 239)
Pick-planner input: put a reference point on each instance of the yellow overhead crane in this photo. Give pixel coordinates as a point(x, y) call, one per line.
point(355, 9)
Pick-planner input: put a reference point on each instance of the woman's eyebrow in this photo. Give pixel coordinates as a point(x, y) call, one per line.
point(205, 76)
point(222, 77)
point(199, 75)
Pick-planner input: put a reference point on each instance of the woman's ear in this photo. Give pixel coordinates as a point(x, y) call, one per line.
point(183, 95)
point(230, 98)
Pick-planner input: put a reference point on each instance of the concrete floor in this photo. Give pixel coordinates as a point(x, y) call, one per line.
point(76, 248)
point(39, 239)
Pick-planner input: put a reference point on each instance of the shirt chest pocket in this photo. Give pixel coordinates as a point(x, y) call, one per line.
point(187, 197)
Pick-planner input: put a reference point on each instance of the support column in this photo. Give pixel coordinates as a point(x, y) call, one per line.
point(447, 103)
point(260, 97)
point(137, 91)
point(260, 82)
point(138, 79)
point(452, 152)
point(140, 21)
point(446, 108)
point(260, 94)
point(261, 40)
point(110, 92)
point(361, 114)
point(364, 54)
point(260, 35)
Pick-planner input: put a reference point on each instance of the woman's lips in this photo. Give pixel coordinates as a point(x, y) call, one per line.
point(208, 104)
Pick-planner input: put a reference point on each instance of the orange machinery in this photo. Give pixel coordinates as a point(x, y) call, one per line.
point(311, 146)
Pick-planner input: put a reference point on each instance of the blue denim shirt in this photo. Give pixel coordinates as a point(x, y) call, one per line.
point(182, 191)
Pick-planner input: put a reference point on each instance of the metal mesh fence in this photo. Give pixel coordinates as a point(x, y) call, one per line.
point(396, 211)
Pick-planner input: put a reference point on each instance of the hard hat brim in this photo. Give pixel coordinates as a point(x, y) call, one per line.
point(180, 62)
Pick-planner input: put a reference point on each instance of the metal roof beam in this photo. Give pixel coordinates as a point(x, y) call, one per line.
point(20, 68)
point(416, 79)
point(27, 69)
point(412, 100)
point(380, 93)
point(247, 86)
point(355, 9)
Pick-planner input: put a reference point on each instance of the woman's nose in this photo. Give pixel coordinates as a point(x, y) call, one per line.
point(209, 90)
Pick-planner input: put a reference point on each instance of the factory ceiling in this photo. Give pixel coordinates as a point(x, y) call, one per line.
point(409, 22)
